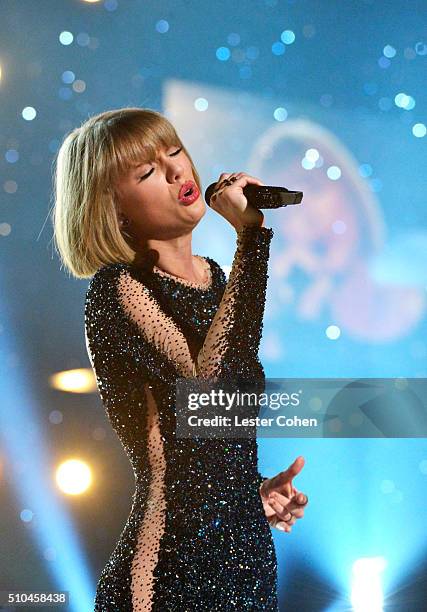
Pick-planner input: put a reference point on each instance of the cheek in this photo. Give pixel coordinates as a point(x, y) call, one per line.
point(160, 198)
point(154, 207)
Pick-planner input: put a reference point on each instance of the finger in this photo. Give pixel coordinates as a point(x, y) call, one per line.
point(299, 497)
point(250, 179)
point(296, 467)
point(282, 512)
point(293, 506)
point(240, 179)
point(287, 490)
point(289, 522)
point(253, 178)
point(282, 499)
point(223, 178)
point(287, 475)
point(227, 182)
point(226, 175)
point(295, 509)
point(220, 183)
point(297, 512)
point(283, 526)
point(268, 510)
point(278, 524)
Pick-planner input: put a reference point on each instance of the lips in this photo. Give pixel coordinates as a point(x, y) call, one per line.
point(190, 188)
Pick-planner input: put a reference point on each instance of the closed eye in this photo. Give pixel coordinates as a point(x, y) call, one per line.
point(141, 178)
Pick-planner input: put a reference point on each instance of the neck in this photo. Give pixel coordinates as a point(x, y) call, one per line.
point(173, 256)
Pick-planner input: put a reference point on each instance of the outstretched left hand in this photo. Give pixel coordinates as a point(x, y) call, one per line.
point(283, 503)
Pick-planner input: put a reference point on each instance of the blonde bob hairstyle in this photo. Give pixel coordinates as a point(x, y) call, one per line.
point(91, 158)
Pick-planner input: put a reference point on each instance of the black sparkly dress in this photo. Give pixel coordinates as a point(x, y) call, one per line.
point(197, 538)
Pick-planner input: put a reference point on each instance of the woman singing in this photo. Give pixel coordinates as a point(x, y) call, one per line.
point(128, 198)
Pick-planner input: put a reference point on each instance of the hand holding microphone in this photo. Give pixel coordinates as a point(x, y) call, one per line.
point(227, 198)
point(248, 194)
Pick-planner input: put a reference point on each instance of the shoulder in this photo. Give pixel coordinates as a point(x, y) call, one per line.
point(107, 273)
point(107, 321)
point(106, 279)
point(111, 288)
point(110, 336)
point(101, 294)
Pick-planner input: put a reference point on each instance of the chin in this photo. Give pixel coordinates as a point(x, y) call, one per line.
point(196, 215)
point(197, 210)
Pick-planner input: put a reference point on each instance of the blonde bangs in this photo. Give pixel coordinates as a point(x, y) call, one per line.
point(139, 142)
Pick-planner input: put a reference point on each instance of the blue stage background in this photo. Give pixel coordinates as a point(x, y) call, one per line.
point(327, 98)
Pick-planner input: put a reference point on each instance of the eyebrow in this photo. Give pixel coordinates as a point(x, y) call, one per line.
point(142, 163)
point(134, 167)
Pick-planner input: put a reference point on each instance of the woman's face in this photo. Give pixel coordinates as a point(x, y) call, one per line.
point(148, 197)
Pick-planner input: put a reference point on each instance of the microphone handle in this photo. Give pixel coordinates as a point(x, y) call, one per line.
point(264, 196)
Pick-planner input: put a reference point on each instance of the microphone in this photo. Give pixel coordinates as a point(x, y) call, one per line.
point(264, 196)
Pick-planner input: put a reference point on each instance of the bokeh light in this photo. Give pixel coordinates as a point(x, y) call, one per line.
point(223, 53)
point(389, 51)
point(29, 113)
point(68, 76)
point(201, 104)
point(333, 332)
point(79, 380)
point(278, 48)
point(73, 477)
point(233, 39)
point(280, 114)
point(162, 26)
point(11, 156)
point(288, 37)
point(333, 173)
point(66, 38)
point(419, 130)
point(26, 515)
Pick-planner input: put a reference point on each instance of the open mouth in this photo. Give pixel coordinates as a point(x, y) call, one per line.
point(188, 193)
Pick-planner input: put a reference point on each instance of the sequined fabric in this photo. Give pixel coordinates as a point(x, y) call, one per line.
point(196, 538)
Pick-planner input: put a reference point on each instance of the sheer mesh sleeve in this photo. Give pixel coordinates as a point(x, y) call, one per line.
point(158, 328)
point(235, 333)
point(236, 329)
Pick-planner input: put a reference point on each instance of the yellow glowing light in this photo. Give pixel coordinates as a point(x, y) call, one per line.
point(80, 380)
point(91, 0)
point(73, 477)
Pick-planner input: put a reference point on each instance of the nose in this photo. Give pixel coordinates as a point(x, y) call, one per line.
point(175, 170)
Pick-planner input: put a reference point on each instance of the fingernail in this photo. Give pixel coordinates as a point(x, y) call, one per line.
point(281, 527)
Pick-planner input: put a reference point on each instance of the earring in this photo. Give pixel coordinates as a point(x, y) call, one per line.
point(125, 223)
